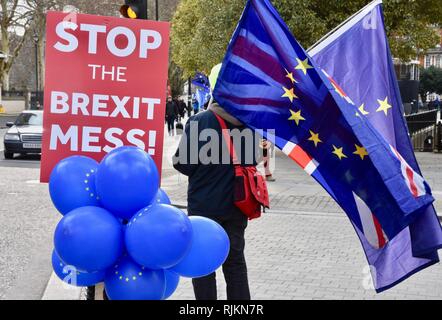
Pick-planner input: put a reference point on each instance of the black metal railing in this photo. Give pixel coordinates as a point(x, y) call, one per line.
point(13, 94)
point(424, 131)
point(423, 140)
point(420, 121)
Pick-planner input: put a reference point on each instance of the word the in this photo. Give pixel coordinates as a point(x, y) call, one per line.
point(113, 73)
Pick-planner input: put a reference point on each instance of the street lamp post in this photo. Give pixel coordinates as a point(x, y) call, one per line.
point(37, 94)
point(157, 11)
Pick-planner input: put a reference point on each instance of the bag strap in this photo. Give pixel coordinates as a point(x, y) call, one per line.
point(227, 139)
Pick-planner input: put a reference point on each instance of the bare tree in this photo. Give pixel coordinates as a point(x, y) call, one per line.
point(15, 18)
point(22, 20)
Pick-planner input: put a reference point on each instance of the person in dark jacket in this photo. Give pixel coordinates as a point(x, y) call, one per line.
point(182, 108)
point(210, 194)
point(171, 115)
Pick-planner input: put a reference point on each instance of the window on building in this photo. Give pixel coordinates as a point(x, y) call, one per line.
point(427, 61)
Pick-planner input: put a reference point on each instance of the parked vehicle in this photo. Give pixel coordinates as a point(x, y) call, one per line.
point(24, 135)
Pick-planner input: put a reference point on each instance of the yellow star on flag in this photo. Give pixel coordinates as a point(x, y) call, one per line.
point(289, 94)
point(291, 77)
point(296, 116)
point(315, 138)
point(339, 152)
point(384, 106)
point(303, 65)
point(361, 151)
point(362, 110)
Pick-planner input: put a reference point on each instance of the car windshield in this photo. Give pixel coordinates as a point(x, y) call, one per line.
point(29, 119)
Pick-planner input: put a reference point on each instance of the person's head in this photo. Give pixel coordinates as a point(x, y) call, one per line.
point(169, 99)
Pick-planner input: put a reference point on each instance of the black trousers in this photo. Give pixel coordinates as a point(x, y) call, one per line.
point(170, 123)
point(234, 268)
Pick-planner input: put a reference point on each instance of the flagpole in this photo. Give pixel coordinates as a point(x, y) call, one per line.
point(371, 4)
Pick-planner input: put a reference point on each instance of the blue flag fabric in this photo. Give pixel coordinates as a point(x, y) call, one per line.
point(358, 58)
point(200, 80)
point(269, 82)
point(202, 96)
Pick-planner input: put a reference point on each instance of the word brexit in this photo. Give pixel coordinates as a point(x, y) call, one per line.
point(103, 105)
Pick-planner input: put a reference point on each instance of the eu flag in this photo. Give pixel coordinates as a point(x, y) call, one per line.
point(358, 58)
point(269, 82)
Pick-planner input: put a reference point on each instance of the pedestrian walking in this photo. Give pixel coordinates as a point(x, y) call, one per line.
point(266, 147)
point(211, 194)
point(171, 115)
point(182, 108)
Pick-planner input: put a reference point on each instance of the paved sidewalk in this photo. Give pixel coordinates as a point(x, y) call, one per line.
point(305, 247)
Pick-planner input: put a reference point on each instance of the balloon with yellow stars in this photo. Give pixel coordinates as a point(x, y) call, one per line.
point(70, 275)
point(72, 184)
point(128, 280)
point(158, 236)
point(127, 180)
point(89, 238)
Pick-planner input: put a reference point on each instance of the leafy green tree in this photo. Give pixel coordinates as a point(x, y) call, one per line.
point(176, 80)
point(201, 29)
point(431, 81)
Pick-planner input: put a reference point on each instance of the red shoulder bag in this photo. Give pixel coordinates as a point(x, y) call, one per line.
point(250, 189)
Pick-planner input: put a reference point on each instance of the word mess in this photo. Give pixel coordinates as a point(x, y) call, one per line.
point(91, 138)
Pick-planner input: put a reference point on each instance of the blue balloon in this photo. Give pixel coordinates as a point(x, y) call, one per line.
point(89, 238)
point(128, 280)
point(70, 274)
point(162, 197)
point(158, 236)
point(172, 281)
point(72, 184)
point(210, 248)
point(127, 181)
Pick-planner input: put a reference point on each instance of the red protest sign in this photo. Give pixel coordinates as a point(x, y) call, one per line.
point(106, 82)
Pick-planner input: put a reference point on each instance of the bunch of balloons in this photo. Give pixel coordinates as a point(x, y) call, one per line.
point(119, 227)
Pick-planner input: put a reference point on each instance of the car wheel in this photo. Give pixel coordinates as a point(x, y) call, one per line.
point(8, 155)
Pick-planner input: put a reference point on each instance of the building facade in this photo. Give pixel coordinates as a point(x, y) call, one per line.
point(433, 58)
